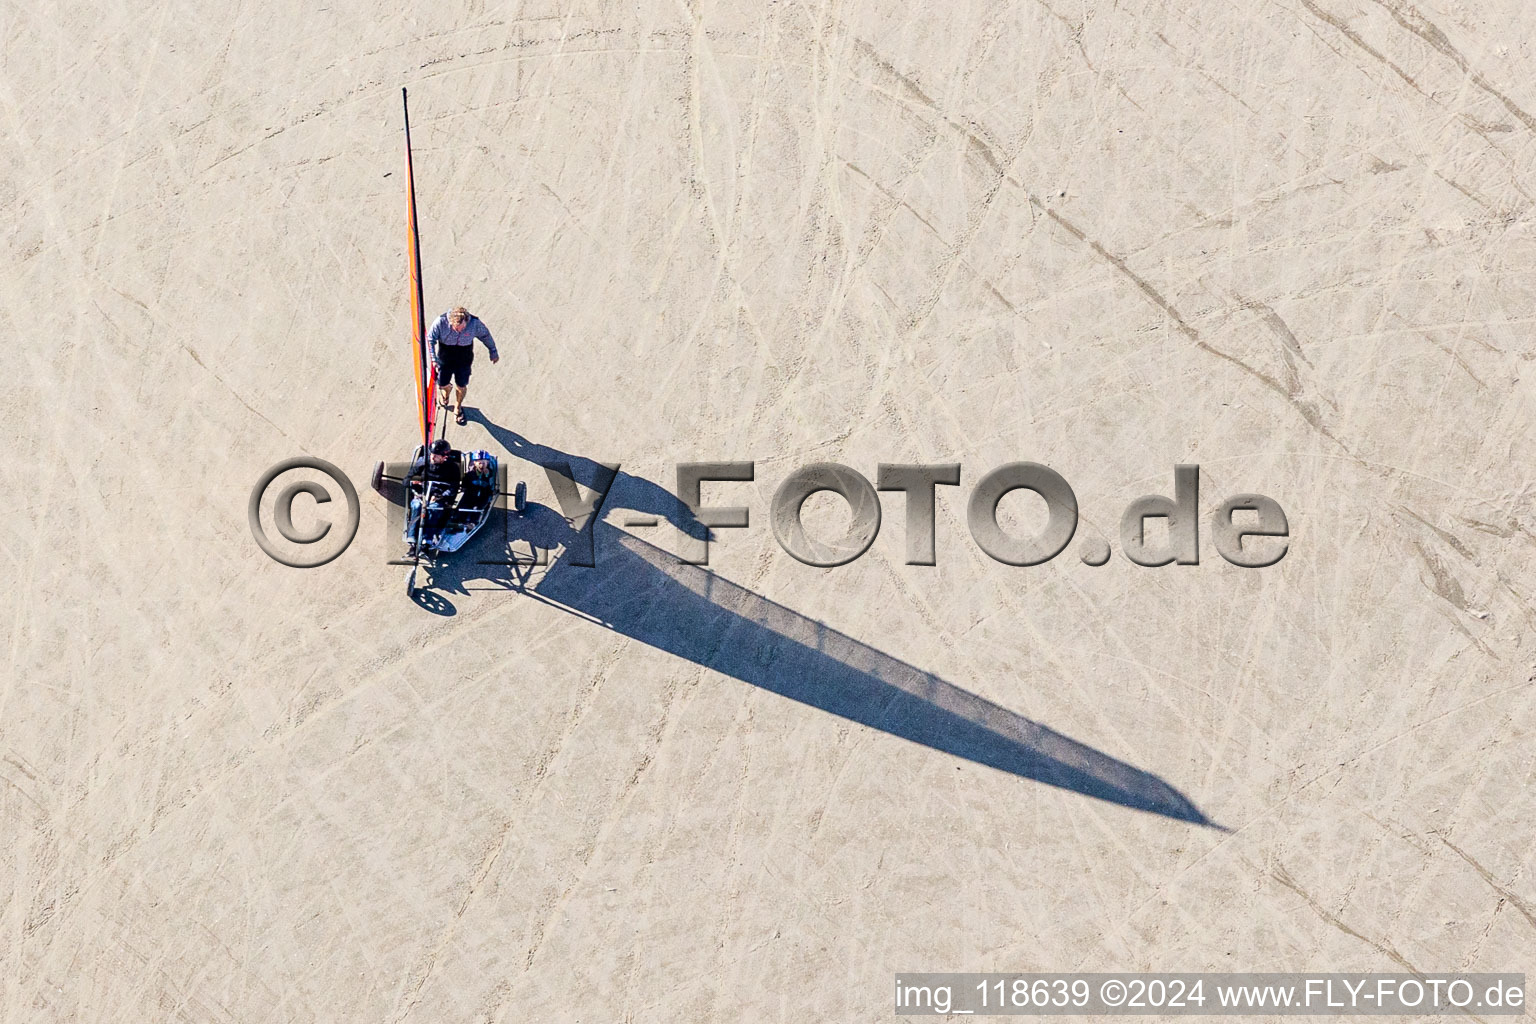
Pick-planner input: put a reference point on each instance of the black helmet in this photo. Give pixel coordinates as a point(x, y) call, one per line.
point(441, 446)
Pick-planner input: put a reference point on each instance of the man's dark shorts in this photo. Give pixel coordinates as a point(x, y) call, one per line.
point(453, 364)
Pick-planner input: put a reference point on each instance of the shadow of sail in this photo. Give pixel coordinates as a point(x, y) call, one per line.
point(643, 592)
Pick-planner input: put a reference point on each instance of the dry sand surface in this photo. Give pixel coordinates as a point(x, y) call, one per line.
point(1290, 241)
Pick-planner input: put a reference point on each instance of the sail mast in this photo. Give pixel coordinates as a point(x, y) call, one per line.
point(425, 384)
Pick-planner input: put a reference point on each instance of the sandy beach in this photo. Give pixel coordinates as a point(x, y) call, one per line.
point(1290, 243)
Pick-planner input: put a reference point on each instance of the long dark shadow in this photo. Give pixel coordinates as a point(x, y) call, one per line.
point(643, 592)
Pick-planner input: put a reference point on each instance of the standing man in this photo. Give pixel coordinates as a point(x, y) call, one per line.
point(452, 338)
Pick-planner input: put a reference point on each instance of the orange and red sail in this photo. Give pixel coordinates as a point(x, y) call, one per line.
point(426, 391)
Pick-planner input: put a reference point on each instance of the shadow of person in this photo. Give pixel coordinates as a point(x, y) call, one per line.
point(626, 490)
point(642, 592)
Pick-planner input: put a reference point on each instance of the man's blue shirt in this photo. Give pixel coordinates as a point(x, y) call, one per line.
point(442, 334)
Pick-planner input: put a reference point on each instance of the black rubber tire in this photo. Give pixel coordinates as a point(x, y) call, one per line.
point(378, 477)
point(520, 497)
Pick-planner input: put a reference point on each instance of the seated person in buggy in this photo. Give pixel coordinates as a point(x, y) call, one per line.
point(462, 490)
point(443, 470)
point(479, 483)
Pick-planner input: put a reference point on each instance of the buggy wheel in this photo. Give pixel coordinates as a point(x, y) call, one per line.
point(378, 477)
point(520, 497)
point(410, 583)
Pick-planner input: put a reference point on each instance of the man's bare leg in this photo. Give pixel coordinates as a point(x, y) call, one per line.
point(459, 394)
point(442, 397)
